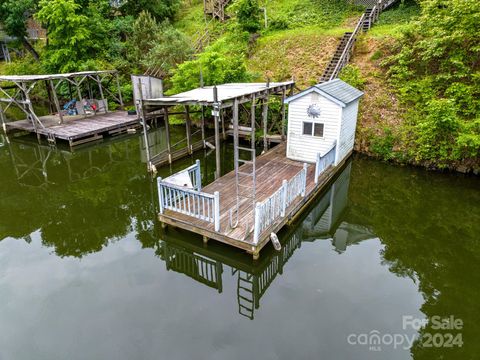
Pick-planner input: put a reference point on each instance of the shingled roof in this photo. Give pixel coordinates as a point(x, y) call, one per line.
point(336, 90)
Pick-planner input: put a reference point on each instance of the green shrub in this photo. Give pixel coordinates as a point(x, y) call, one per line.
point(278, 23)
point(248, 15)
point(351, 74)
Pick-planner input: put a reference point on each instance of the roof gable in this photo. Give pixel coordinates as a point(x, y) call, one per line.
point(336, 90)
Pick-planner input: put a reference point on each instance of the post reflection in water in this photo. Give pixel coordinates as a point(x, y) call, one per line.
point(208, 264)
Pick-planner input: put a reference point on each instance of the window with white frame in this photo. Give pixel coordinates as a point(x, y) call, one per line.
point(313, 128)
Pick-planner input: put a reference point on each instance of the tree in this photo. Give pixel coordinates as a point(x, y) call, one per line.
point(75, 34)
point(144, 34)
point(171, 48)
point(159, 9)
point(13, 16)
point(248, 15)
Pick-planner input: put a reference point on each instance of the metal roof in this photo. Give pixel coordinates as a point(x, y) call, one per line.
point(27, 78)
point(226, 92)
point(336, 90)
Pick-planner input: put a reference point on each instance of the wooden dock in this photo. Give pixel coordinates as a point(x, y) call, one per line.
point(280, 182)
point(78, 129)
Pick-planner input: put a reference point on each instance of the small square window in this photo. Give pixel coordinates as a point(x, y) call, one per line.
point(307, 128)
point(318, 130)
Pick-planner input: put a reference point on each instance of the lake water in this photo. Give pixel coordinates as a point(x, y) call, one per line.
point(86, 272)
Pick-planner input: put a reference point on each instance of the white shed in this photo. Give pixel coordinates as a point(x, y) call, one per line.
point(321, 116)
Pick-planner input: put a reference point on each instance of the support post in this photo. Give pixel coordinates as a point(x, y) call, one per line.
point(216, 194)
point(252, 122)
point(119, 89)
point(2, 118)
point(222, 117)
point(283, 114)
point(284, 197)
point(198, 176)
point(188, 125)
point(265, 123)
point(55, 99)
point(79, 94)
point(256, 227)
point(203, 127)
point(160, 195)
point(144, 125)
point(235, 141)
point(167, 134)
point(216, 115)
point(99, 82)
point(304, 186)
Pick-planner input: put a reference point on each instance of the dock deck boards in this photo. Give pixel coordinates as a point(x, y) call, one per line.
point(272, 168)
point(77, 127)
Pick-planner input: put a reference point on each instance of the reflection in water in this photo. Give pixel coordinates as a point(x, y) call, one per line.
point(90, 244)
point(206, 264)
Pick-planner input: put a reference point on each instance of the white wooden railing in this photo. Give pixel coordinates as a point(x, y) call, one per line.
point(325, 160)
point(273, 208)
point(192, 202)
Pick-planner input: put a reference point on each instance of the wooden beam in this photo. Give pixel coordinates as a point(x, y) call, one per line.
point(216, 115)
point(55, 99)
point(203, 128)
point(222, 117)
point(99, 82)
point(119, 89)
point(188, 125)
point(144, 125)
point(2, 118)
point(167, 134)
point(282, 132)
point(265, 123)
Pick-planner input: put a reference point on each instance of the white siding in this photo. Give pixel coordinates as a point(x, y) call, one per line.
point(304, 147)
point(347, 131)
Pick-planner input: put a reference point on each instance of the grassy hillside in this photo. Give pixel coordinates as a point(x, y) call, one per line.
point(300, 37)
point(421, 88)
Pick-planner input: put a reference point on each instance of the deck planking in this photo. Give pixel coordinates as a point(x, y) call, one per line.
point(78, 127)
point(272, 168)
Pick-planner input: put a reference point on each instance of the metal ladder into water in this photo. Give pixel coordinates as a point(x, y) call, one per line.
point(245, 189)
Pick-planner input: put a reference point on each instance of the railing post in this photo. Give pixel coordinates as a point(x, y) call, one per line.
point(198, 176)
point(284, 197)
point(304, 186)
point(256, 229)
point(317, 168)
point(217, 210)
point(160, 194)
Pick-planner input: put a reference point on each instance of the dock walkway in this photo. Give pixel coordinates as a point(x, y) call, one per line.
point(272, 168)
point(78, 129)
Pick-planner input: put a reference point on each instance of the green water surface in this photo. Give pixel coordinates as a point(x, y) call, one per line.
point(86, 272)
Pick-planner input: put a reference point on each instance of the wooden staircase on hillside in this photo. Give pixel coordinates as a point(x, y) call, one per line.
point(215, 9)
point(342, 54)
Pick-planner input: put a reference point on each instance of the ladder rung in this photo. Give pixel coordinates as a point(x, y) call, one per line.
point(244, 148)
point(244, 173)
point(245, 161)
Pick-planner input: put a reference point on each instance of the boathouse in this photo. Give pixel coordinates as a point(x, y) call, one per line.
point(77, 106)
point(246, 207)
point(320, 117)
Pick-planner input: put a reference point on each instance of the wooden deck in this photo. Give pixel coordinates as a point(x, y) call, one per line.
point(272, 168)
point(78, 129)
